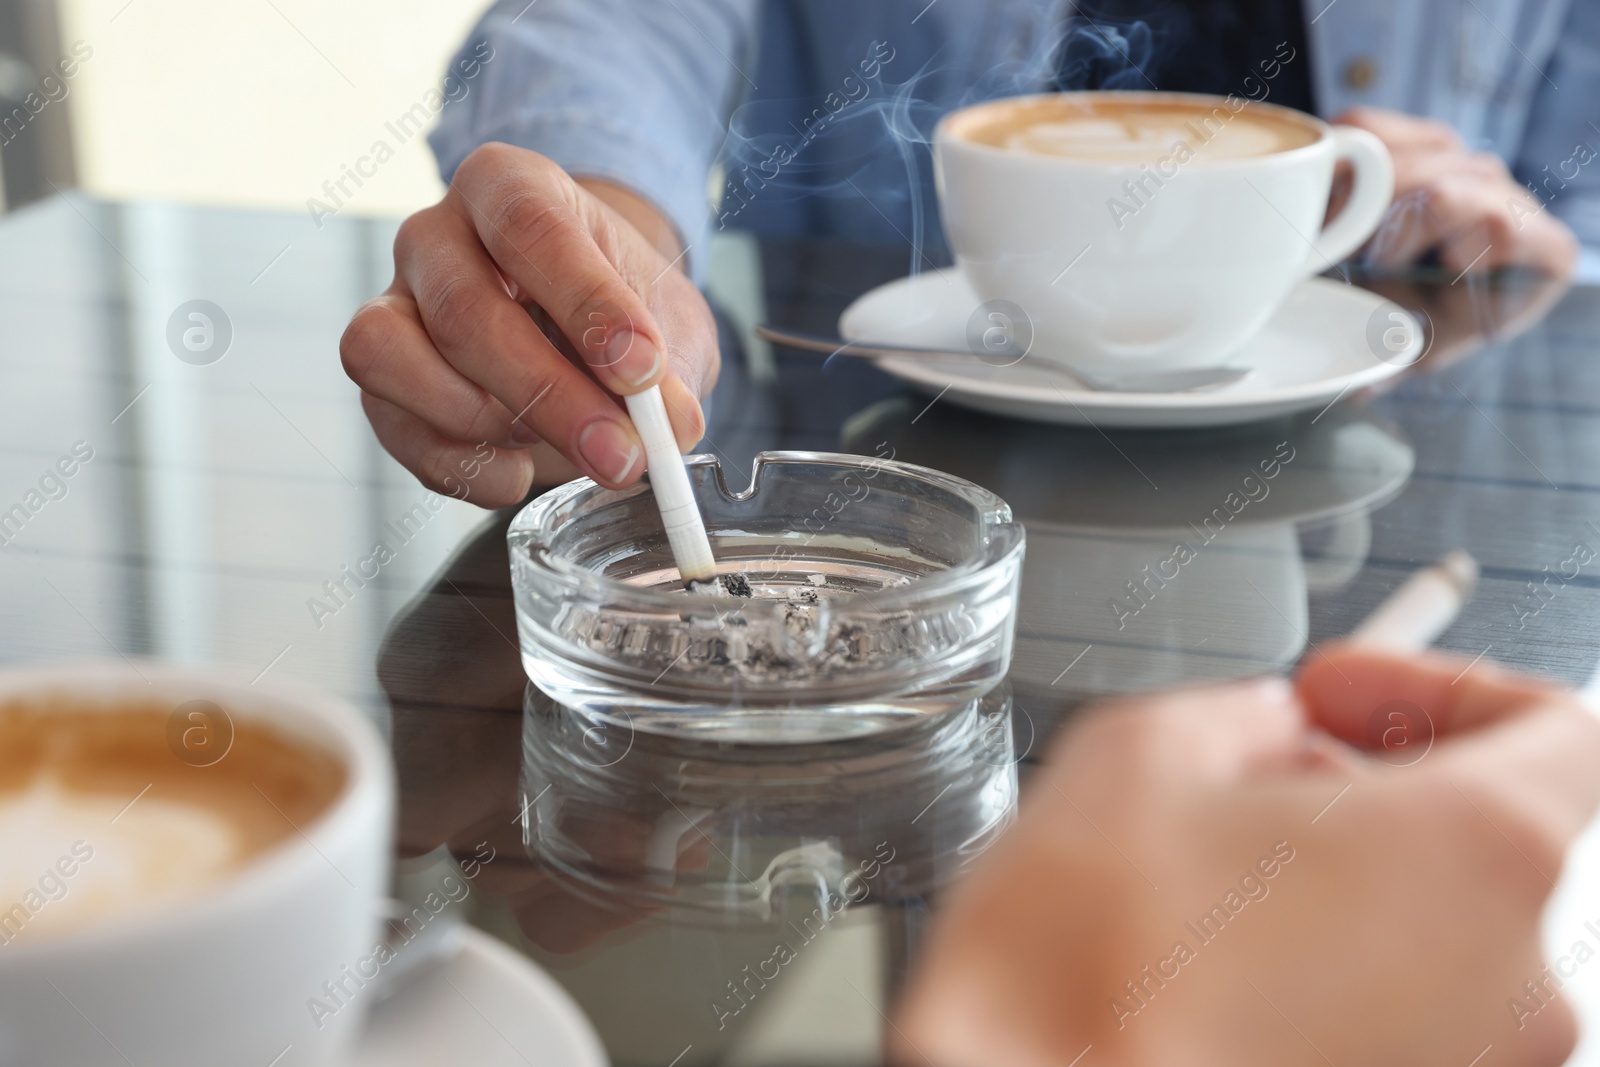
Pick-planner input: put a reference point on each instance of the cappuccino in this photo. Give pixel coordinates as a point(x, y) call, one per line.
point(100, 817)
point(1102, 129)
point(1194, 217)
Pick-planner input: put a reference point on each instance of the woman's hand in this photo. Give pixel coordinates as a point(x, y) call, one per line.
point(523, 303)
point(1236, 876)
point(1462, 205)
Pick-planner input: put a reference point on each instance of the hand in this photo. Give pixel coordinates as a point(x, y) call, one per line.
point(521, 303)
point(1387, 924)
point(1463, 205)
point(1465, 318)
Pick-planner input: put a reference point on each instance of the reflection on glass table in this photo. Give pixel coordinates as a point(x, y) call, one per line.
point(1170, 558)
point(223, 496)
point(745, 836)
point(621, 856)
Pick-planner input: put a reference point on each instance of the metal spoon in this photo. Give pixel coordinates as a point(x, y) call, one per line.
point(1175, 381)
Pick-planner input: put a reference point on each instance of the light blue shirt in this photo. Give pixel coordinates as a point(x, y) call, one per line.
point(810, 117)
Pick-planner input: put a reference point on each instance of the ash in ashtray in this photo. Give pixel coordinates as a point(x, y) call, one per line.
point(800, 640)
point(732, 584)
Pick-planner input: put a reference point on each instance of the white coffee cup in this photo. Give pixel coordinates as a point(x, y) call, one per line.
point(228, 975)
point(1122, 265)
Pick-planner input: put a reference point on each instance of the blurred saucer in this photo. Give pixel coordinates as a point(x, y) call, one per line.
point(1315, 350)
point(488, 1006)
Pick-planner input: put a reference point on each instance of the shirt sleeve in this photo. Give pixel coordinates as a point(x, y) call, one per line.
point(1560, 154)
point(633, 91)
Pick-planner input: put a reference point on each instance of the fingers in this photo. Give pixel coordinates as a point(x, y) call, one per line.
point(528, 213)
point(1468, 208)
point(1524, 752)
point(1464, 205)
point(518, 310)
point(1547, 1038)
point(1537, 779)
point(1341, 687)
point(1509, 229)
point(480, 474)
point(1422, 169)
point(1216, 733)
point(489, 339)
point(1476, 224)
point(1402, 132)
point(1450, 209)
point(688, 421)
point(387, 353)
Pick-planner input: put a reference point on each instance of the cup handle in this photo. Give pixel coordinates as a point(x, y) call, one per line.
point(1369, 197)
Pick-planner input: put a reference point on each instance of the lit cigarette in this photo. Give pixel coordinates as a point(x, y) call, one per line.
point(669, 479)
point(1424, 606)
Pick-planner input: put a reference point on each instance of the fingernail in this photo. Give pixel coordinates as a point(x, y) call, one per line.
point(609, 450)
point(521, 434)
point(699, 420)
point(632, 357)
point(685, 410)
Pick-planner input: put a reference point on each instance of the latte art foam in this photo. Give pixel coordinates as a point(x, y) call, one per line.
point(1133, 132)
point(1137, 140)
point(156, 852)
point(100, 817)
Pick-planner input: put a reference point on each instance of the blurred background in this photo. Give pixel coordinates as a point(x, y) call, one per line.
point(249, 104)
point(159, 152)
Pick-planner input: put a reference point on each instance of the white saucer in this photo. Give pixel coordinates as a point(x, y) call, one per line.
point(487, 1006)
point(1313, 351)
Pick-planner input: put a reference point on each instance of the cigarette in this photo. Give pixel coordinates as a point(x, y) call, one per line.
point(1424, 606)
point(669, 480)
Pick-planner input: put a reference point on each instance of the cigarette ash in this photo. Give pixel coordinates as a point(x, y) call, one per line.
point(804, 641)
point(732, 584)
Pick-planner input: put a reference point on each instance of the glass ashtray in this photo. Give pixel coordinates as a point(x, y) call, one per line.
point(880, 593)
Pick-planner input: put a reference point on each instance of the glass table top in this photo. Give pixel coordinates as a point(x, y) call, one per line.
point(704, 903)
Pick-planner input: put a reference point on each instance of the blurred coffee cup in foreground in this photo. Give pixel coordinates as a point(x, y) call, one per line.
point(192, 869)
